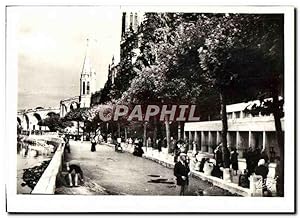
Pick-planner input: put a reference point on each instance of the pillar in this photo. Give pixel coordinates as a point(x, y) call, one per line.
point(219, 138)
point(190, 140)
point(249, 139)
point(264, 141)
point(185, 136)
point(240, 150)
point(210, 150)
point(197, 140)
point(179, 131)
point(238, 139)
point(202, 141)
point(228, 140)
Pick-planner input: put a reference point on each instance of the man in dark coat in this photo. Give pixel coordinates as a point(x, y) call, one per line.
point(219, 156)
point(182, 171)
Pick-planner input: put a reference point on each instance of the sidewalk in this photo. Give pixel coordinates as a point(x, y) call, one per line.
point(107, 172)
point(89, 187)
point(167, 160)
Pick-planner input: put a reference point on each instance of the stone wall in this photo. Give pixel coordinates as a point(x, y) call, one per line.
point(47, 182)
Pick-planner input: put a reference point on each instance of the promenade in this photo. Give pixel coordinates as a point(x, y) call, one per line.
point(107, 172)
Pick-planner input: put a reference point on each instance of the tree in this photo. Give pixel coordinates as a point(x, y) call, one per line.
point(270, 85)
point(227, 34)
point(55, 123)
point(169, 71)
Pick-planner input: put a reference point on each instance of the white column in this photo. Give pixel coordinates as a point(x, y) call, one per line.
point(250, 139)
point(238, 136)
point(185, 135)
point(197, 140)
point(264, 140)
point(179, 131)
point(202, 141)
point(190, 140)
point(228, 139)
point(218, 137)
point(209, 142)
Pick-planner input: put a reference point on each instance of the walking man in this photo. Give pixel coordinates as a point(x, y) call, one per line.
point(182, 172)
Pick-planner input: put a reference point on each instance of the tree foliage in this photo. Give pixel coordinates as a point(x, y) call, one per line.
point(55, 123)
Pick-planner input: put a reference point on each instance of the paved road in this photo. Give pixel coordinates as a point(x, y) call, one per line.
point(109, 172)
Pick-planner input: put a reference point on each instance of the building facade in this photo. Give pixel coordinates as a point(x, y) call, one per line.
point(244, 131)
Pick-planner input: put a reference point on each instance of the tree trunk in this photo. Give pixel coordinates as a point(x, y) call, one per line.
point(145, 135)
point(168, 134)
point(112, 131)
point(155, 133)
point(179, 130)
point(224, 125)
point(119, 130)
point(78, 126)
point(126, 134)
point(280, 140)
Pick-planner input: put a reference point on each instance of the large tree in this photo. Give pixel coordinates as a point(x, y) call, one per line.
point(55, 123)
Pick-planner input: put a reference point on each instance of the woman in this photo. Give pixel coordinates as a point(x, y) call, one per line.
point(93, 147)
point(234, 160)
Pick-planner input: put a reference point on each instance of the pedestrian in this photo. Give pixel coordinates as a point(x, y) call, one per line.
point(234, 160)
point(159, 145)
point(67, 144)
point(138, 151)
point(93, 147)
point(182, 172)
point(226, 157)
point(263, 171)
point(176, 152)
point(172, 144)
point(149, 142)
point(249, 165)
point(219, 156)
point(264, 155)
point(75, 173)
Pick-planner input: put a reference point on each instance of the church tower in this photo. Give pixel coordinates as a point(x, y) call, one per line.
point(87, 80)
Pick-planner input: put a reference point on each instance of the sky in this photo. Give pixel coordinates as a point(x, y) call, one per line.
point(51, 49)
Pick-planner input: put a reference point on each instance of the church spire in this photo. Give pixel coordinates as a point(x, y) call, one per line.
point(87, 68)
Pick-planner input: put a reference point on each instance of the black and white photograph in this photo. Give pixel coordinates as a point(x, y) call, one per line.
point(136, 109)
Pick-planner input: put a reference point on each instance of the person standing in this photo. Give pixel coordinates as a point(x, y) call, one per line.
point(176, 152)
point(149, 142)
point(226, 157)
point(219, 156)
point(159, 145)
point(93, 147)
point(234, 160)
point(182, 171)
point(67, 144)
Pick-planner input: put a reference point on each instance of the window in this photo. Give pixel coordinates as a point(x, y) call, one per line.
point(83, 88)
point(131, 20)
point(229, 115)
point(237, 114)
point(88, 88)
point(247, 114)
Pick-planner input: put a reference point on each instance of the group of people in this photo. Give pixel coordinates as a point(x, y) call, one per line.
point(225, 158)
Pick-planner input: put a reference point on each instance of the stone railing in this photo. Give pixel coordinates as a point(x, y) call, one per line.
point(47, 182)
